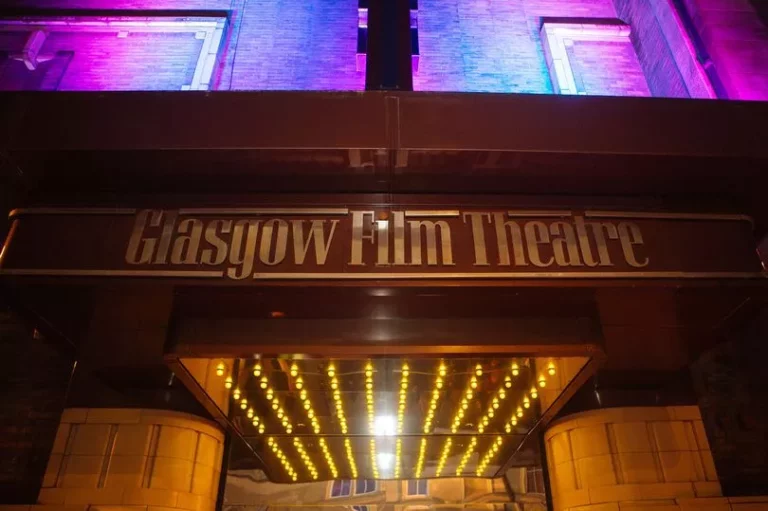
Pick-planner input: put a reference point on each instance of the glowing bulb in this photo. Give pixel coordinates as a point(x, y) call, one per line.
point(299, 382)
point(534, 393)
point(441, 371)
point(275, 406)
point(307, 405)
point(464, 405)
point(491, 413)
point(261, 429)
point(495, 404)
point(526, 402)
point(515, 369)
point(257, 370)
point(508, 428)
point(404, 385)
point(270, 394)
point(250, 413)
point(469, 394)
point(236, 393)
point(479, 370)
point(228, 382)
point(264, 382)
point(542, 381)
point(519, 412)
point(220, 369)
point(280, 413)
point(551, 369)
point(294, 370)
point(334, 384)
point(439, 383)
point(508, 382)
point(485, 421)
point(502, 394)
point(303, 395)
point(473, 383)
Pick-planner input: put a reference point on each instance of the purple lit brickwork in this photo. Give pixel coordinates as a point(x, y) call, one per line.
point(676, 48)
point(290, 45)
point(737, 42)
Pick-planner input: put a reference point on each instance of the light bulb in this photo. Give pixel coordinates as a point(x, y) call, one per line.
point(469, 394)
point(257, 370)
point(515, 369)
point(331, 371)
point(220, 369)
point(294, 370)
point(307, 405)
point(542, 381)
point(534, 393)
point(299, 383)
point(441, 371)
point(250, 413)
point(243, 404)
point(519, 412)
point(228, 382)
point(508, 382)
point(303, 395)
point(508, 428)
point(236, 393)
point(473, 383)
point(479, 370)
point(270, 394)
point(264, 382)
point(526, 402)
point(551, 369)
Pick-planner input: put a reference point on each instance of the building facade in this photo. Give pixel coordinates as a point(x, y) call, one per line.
point(383, 255)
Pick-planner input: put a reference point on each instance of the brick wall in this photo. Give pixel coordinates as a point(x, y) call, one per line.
point(289, 45)
point(737, 42)
point(621, 77)
point(33, 385)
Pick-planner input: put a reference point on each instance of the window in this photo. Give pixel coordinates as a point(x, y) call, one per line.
point(417, 487)
point(341, 488)
point(359, 508)
point(364, 486)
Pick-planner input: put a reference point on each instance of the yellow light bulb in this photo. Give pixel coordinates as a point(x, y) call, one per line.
point(508, 382)
point(513, 421)
point(228, 382)
point(250, 413)
point(236, 393)
point(257, 370)
point(479, 370)
point(515, 369)
point(534, 393)
point(369, 386)
point(288, 429)
point(508, 428)
point(307, 405)
point(264, 382)
point(441, 371)
point(526, 402)
point(491, 413)
point(439, 384)
point(404, 385)
point(551, 369)
point(469, 394)
point(294, 370)
point(299, 383)
point(495, 405)
point(542, 381)
point(331, 371)
point(220, 368)
point(275, 406)
point(485, 421)
point(502, 394)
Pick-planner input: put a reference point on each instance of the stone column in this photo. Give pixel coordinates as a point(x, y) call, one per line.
point(124, 458)
point(617, 458)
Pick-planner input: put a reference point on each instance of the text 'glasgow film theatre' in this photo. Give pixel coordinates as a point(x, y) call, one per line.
point(383, 255)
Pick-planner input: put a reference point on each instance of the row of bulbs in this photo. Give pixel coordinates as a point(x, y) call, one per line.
point(280, 455)
point(350, 458)
point(466, 456)
point(489, 455)
point(405, 371)
point(398, 454)
point(340, 417)
point(299, 445)
point(443, 457)
point(369, 396)
point(420, 459)
point(441, 372)
point(372, 447)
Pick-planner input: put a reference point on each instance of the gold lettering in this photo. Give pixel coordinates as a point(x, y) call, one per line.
point(137, 242)
point(243, 252)
point(536, 234)
point(602, 246)
point(360, 233)
point(165, 238)
point(399, 238)
point(382, 231)
point(431, 230)
point(281, 242)
point(502, 244)
point(586, 249)
point(478, 236)
point(629, 234)
point(316, 233)
point(206, 257)
point(185, 247)
point(567, 244)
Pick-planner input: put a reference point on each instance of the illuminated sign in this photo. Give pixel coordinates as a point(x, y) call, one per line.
point(241, 244)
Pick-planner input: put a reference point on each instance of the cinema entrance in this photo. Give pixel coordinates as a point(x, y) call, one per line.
point(383, 356)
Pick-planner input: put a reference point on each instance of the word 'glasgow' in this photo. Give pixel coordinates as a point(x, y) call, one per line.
point(382, 240)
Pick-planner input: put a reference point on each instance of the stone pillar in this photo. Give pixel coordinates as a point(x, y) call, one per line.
point(617, 458)
point(124, 458)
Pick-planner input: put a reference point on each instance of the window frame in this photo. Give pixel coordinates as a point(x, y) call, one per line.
point(341, 493)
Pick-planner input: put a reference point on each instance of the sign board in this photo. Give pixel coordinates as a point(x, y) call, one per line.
point(265, 244)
